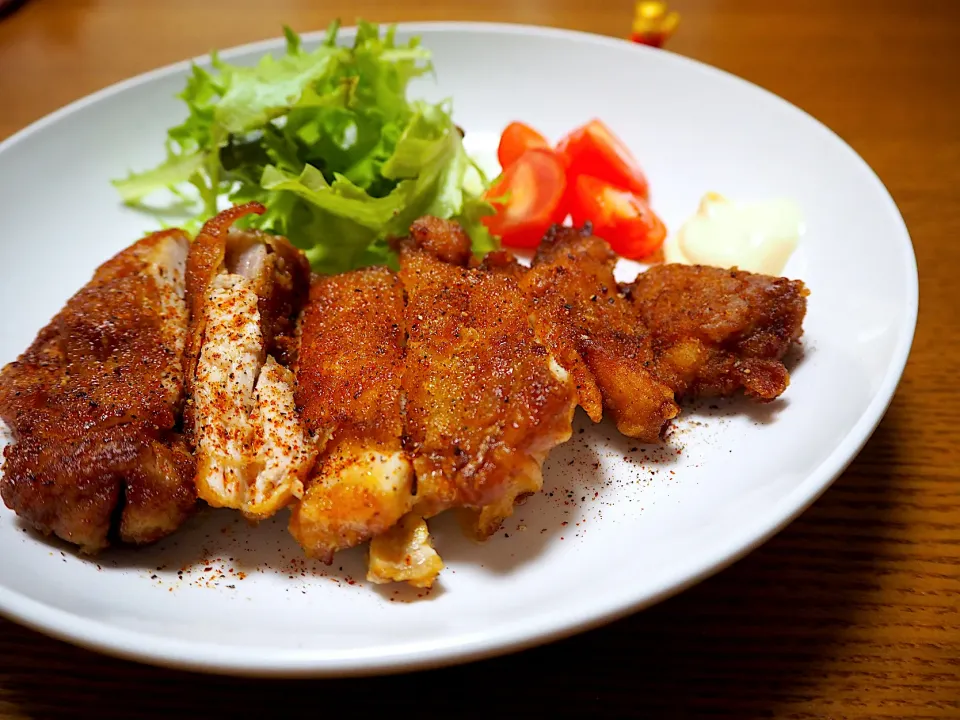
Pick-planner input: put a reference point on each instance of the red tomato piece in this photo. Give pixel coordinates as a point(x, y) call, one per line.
point(535, 183)
point(620, 217)
point(594, 150)
point(517, 138)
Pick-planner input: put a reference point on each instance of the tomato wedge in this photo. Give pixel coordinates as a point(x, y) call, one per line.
point(620, 217)
point(517, 138)
point(535, 185)
point(594, 150)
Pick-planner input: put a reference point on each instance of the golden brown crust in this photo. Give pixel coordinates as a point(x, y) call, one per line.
point(351, 355)
point(481, 396)
point(94, 401)
point(591, 329)
point(444, 239)
point(716, 331)
point(350, 365)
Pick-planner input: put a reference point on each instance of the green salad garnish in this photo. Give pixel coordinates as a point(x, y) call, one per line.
point(328, 141)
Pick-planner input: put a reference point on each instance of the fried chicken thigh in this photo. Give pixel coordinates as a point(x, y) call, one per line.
point(593, 332)
point(350, 365)
point(245, 290)
point(716, 331)
point(485, 402)
point(392, 397)
point(94, 402)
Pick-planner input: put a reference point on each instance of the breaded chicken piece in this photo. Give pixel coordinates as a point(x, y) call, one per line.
point(443, 239)
point(485, 402)
point(223, 387)
point(715, 331)
point(94, 402)
point(592, 331)
point(404, 553)
point(349, 370)
point(245, 290)
point(277, 272)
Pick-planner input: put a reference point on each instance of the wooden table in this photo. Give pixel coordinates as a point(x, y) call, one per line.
point(850, 612)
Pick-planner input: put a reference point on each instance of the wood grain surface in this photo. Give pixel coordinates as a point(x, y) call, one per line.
point(852, 611)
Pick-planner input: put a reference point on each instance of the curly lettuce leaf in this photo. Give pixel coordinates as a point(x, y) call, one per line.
point(429, 163)
point(254, 96)
point(328, 141)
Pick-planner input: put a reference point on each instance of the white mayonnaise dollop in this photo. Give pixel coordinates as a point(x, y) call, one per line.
point(758, 237)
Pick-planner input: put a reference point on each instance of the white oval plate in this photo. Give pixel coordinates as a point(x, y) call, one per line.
point(641, 524)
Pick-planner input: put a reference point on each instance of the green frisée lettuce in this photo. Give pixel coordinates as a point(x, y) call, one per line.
point(327, 140)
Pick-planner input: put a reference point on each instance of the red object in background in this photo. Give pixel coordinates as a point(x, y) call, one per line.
point(535, 183)
point(516, 139)
point(653, 24)
point(594, 150)
point(652, 39)
point(620, 217)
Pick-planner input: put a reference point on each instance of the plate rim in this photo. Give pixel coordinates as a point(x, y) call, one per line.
point(547, 627)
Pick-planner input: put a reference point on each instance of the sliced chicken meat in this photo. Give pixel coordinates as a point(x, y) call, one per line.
point(717, 331)
point(485, 402)
point(246, 289)
point(594, 333)
point(350, 366)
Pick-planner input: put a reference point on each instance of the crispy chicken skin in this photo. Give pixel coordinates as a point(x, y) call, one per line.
point(404, 553)
point(94, 402)
point(350, 366)
point(245, 291)
point(592, 331)
point(484, 400)
point(716, 331)
point(443, 239)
